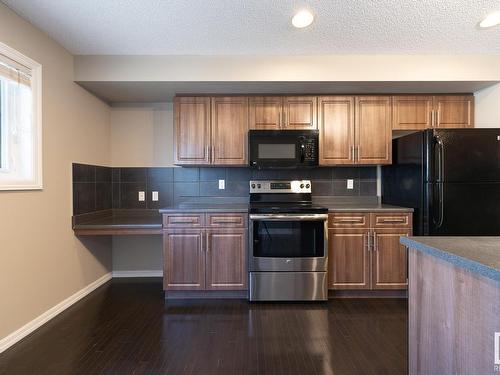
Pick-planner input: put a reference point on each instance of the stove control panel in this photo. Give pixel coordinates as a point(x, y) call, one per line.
point(277, 186)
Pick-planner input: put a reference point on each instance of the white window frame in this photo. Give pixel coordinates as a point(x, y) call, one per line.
point(36, 89)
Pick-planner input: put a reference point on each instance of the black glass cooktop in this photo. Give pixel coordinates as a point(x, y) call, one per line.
point(285, 208)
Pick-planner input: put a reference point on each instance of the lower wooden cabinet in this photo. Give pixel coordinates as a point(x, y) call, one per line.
point(226, 259)
point(184, 259)
point(206, 258)
point(371, 257)
point(348, 259)
point(389, 259)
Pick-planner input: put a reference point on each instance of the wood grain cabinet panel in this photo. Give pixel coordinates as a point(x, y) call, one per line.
point(184, 267)
point(389, 259)
point(192, 130)
point(226, 259)
point(196, 220)
point(229, 130)
point(300, 112)
point(349, 220)
point(348, 259)
point(226, 220)
point(390, 220)
point(454, 111)
point(412, 112)
point(265, 112)
point(373, 130)
point(336, 130)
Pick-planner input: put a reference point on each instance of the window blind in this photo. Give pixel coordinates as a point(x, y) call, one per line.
point(11, 70)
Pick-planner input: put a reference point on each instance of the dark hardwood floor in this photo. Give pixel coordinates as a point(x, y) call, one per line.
point(126, 327)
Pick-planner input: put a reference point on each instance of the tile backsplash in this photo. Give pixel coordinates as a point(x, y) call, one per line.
point(96, 188)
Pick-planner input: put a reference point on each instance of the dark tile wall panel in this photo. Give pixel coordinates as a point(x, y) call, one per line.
point(97, 188)
point(92, 188)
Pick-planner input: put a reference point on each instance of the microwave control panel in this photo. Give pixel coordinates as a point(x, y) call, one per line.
point(309, 149)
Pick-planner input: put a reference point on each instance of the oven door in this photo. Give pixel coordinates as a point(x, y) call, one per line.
point(288, 242)
point(282, 148)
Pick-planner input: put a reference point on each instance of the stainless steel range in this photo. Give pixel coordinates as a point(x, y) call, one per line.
point(288, 254)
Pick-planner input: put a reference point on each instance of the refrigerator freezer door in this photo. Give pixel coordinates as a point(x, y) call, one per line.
point(461, 209)
point(464, 155)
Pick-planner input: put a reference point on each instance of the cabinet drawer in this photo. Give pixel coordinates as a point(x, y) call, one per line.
point(348, 220)
point(226, 220)
point(391, 220)
point(195, 220)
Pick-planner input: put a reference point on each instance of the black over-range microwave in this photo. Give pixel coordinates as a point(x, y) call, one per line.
point(283, 148)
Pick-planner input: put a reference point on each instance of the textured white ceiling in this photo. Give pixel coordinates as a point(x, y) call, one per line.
point(257, 27)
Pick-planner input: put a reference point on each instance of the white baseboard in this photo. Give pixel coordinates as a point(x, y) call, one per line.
point(140, 273)
point(25, 330)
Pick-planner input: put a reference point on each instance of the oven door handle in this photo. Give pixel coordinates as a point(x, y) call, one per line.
point(288, 217)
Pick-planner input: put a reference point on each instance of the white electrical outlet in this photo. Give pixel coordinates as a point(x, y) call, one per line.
point(222, 184)
point(154, 196)
point(142, 196)
point(350, 184)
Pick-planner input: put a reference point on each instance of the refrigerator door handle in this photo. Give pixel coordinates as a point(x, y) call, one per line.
point(441, 205)
point(440, 155)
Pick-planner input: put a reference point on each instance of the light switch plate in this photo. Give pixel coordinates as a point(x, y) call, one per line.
point(142, 196)
point(154, 196)
point(222, 184)
point(350, 184)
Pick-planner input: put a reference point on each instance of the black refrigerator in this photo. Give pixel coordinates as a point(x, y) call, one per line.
point(451, 177)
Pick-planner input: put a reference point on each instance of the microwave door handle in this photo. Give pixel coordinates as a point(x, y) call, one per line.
point(302, 156)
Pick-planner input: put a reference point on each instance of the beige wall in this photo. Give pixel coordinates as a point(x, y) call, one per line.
point(487, 109)
point(142, 135)
point(322, 68)
point(41, 261)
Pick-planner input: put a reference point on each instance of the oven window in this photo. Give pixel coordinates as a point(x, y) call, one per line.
point(276, 151)
point(288, 239)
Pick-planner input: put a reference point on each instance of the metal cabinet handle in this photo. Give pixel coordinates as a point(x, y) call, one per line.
point(375, 241)
point(207, 246)
point(185, 221)
point(351, 153)
point(402, 220)
point(226, 221)
point(432, 118)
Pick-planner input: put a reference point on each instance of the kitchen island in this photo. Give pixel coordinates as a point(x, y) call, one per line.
point(454, 304)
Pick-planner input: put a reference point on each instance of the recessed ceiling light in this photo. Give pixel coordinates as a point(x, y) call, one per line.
point(491, 20)
point(302, 19)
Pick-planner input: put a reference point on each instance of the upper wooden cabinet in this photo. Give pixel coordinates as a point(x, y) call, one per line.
point(265, 112)
point(192, 130)
point(336, 130)
point(454, 111)
point(373, 133)
point(229, 130)
point(211, 130)
point(299, 112)
point(283, 113)
point(354, 130)
point(421, 112)
point(411, 112)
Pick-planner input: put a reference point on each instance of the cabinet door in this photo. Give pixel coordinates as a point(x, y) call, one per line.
point(192, 130)
point(184, 260)
point(265, 112)
point(348, 259)
point(389, 259)
point(336, 130)
point(411, 112)
point(373, 130)
point(300, 112)
point(229, 130)
point(454, 111)
point(226, 259)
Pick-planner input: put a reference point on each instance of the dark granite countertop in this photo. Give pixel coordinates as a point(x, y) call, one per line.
point(119, 219)
point(480, 255)
point(206, 207)
point(333, 205)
